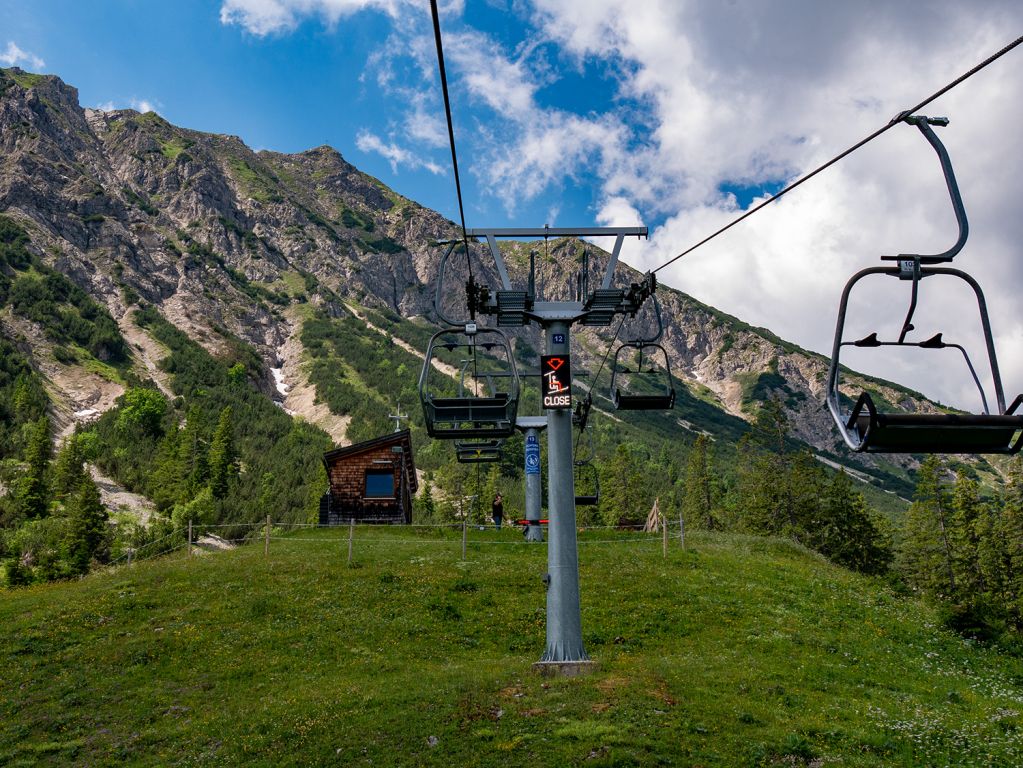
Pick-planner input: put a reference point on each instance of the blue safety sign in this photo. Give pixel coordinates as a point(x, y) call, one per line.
point(557, 338)
point(532, 457)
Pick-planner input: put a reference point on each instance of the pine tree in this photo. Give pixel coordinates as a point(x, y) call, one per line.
point(1011, 534)
point(87, 527)
point(31, 493)
point(68, 469)
point(621, 496)
point(925, 557)
point(192, 459)
point(967, 510)
point(168, 481)
point(846, 532)
point(427, 508)
point(697, 503)
point(222, 455)
point(490, 489)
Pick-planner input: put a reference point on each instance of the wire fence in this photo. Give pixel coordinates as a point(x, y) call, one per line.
point(460, 537)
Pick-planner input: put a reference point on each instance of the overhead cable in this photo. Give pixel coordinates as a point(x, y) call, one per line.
point(451, 128)
point(892, 123)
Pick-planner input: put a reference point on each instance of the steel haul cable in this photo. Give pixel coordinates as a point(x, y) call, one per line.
point(891, 124)
point(451, 131)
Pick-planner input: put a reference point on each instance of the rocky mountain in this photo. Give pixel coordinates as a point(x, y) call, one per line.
point(230, 244)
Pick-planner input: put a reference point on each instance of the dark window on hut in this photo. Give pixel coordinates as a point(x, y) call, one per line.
point(380, 484)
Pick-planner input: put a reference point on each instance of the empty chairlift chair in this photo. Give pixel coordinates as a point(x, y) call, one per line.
point(643, 383)
point(868, 429)
point(586, 479)
point(483, 405)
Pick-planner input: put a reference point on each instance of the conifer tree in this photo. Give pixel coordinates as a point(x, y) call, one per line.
point(697, 503)
point(490, 489)
point(192, 460)
point(1011, 534)
point(168, 480)
point(68, 469)
point(222, 456)
point(621, 494)
point(31, 493)
point(427, 506)
point(846, 532)
point(925, 557)
point(967, 510)
point(992, 556)
point(87, 527)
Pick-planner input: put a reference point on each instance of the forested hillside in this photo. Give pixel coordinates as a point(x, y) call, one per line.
point(199, 322)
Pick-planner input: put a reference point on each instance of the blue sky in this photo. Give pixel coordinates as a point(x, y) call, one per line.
point(668, 113)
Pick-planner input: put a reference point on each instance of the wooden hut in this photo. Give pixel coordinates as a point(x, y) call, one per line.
point(371, 481)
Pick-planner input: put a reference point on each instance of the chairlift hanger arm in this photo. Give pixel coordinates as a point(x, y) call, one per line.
point(924, 123)
point(440, 282)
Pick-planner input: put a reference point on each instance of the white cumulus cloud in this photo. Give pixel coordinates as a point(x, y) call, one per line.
point(265, 17)
point(395, 155)
point(13, 55)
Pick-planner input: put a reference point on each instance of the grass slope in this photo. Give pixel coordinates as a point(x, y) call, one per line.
point(736, 651)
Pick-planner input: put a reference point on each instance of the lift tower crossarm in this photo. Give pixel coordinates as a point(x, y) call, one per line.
point(619, 233)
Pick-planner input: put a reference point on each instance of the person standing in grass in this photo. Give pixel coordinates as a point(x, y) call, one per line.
point(497, 510)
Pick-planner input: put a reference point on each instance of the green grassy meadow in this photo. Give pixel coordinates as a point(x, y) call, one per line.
point(736, 651)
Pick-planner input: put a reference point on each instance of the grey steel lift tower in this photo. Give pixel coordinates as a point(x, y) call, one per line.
point(599, 307)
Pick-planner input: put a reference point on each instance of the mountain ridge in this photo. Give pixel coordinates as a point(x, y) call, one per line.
point(232, 243)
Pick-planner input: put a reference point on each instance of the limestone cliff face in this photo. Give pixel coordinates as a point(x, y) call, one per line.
point(219, 237)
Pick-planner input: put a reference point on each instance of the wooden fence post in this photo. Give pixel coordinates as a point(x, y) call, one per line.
point(465, 528)
point(266, 541)
point(189, 538)
point(351, 535)
point(664, 533)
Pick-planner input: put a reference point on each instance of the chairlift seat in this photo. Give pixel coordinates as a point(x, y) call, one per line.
point(626, 402)
point(935, 432)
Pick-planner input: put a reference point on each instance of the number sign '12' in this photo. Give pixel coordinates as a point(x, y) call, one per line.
point(556, 381)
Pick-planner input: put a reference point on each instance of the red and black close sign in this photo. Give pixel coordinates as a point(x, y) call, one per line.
point(556, 381)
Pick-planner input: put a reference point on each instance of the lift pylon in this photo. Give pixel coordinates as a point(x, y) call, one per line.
point(510, 307)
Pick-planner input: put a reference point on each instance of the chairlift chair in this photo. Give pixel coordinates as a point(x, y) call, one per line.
point(487, 399)
point(479, 410)
point(648, 387)
point(586, 479)
point(587, 484)
point(869, 430)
